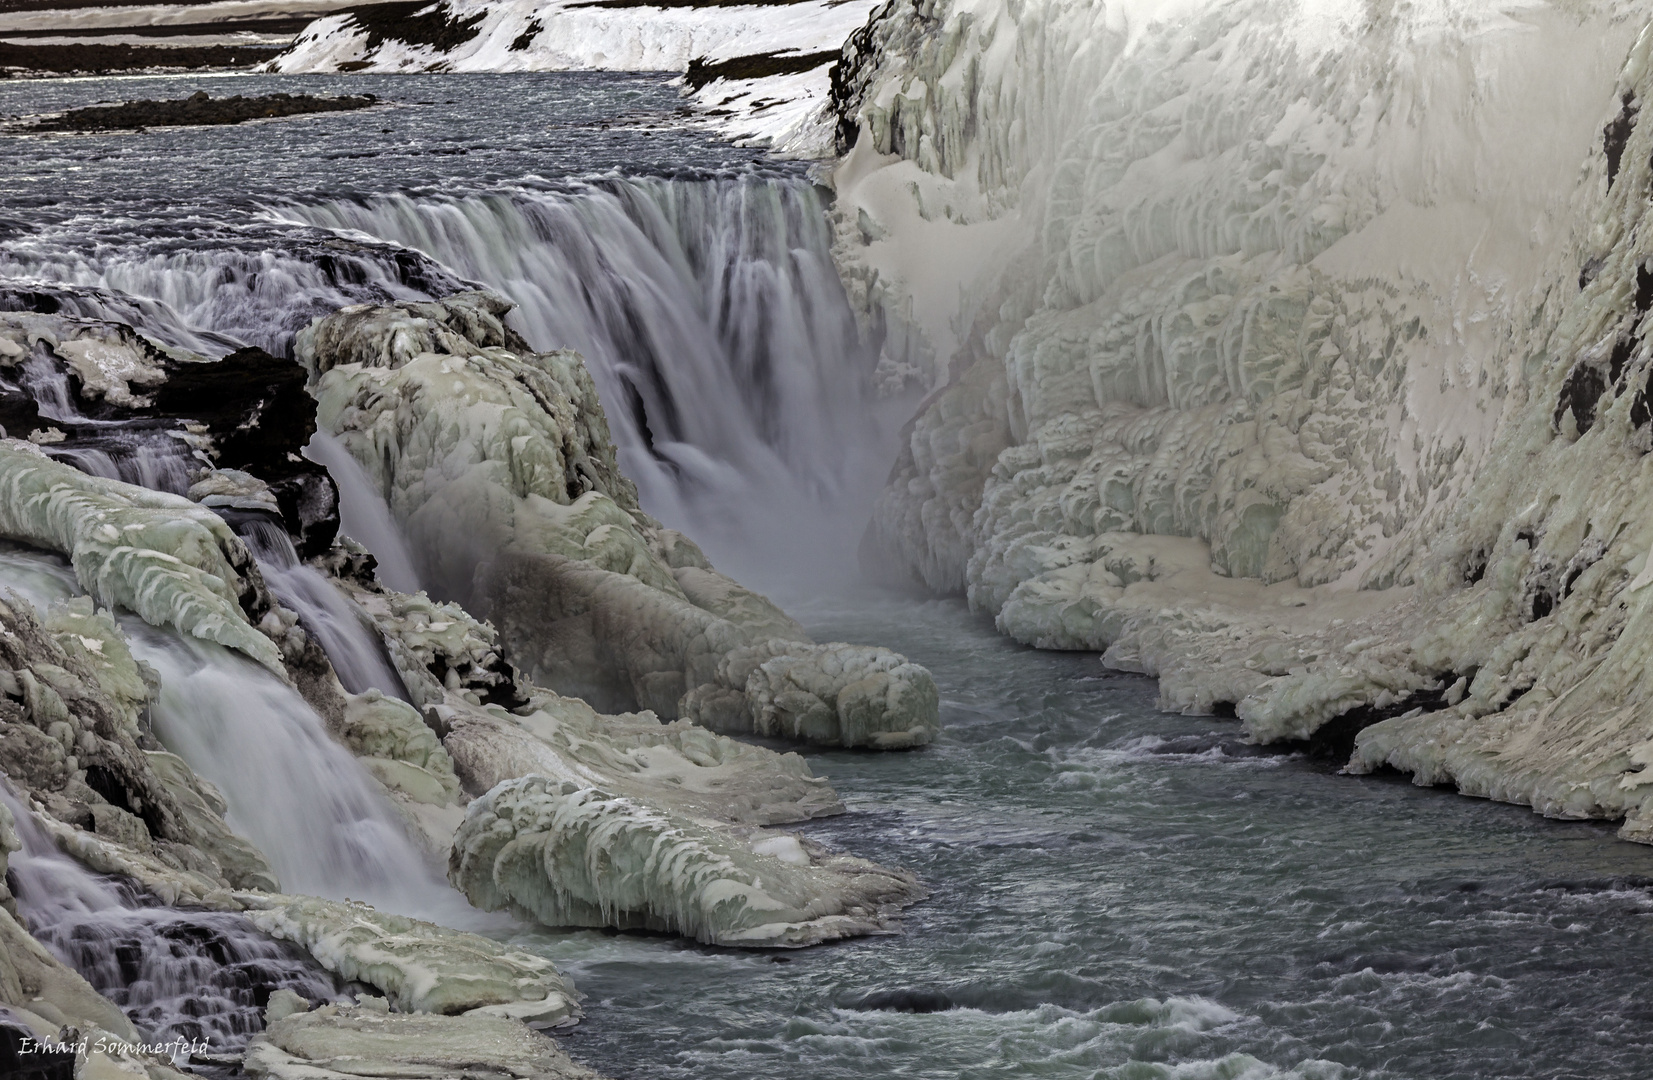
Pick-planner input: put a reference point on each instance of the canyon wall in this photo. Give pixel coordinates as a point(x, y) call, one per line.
point(1291, 354)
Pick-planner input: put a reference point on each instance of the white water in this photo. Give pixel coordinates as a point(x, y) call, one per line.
point(355, 650)
point(734, 378)
point(363, 515)
point(300, 797)
point(174, 973)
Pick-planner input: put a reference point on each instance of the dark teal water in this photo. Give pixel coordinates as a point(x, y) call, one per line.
point(1125, 894)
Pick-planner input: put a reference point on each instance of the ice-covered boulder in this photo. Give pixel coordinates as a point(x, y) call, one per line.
point(495, 726)
point(173, 562)
point(419, 966)
point(366, 1041)
point(568, 855)
point(498, 463)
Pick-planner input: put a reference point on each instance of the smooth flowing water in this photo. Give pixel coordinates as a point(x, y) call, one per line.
point(1116, 892)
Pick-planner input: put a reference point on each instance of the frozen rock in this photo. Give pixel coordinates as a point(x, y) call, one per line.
point(1222, 394)
point(577, 856)
point(420, 966)
point(174, 563)
point(495, 727)
point(356, 1042)
point(499, 465)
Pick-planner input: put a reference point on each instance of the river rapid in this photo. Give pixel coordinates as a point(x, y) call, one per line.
point(1116, 892)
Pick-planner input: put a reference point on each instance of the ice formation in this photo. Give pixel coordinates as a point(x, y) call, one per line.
point(419, 966)
point(349, 1042)
point(498, 463)
point(578, 856)
point(1300, 363)
point(160, 555)
point(760, 70)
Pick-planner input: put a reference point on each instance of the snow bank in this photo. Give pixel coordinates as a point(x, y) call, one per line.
point(1297, 358)
point(758, 72)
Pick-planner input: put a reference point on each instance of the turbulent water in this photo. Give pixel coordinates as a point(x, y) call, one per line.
point(1125, 894)
point(1117, 892)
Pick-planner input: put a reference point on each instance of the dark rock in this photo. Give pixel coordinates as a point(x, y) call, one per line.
point(757, 66)
point(34, 1062)
point(414, 22)
point(198, 109)
point(907, 1001)
point(1616, 134)
point(80, 58)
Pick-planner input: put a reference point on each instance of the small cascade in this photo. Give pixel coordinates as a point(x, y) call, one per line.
point(313, 810)
point(48, 384)
point(192, 975)
point(145, 458)
point(253, 284)
point(363, 515)
point(355, 650)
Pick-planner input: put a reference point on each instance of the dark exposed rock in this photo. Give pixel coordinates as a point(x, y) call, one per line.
point(198, 109)
point(1616, 134)
point(414, 22)
point(757, 66)
point(80, 58)
point(260, 417)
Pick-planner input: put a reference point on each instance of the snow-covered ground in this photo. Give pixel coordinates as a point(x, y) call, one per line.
point(789, 47)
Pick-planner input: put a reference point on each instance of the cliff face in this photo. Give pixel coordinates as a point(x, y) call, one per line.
point(1300, 363)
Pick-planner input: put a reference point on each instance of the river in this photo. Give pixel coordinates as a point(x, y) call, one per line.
point(1116, 892)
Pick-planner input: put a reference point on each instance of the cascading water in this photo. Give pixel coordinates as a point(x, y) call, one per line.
point(313, 810)
point(356, 652)
point(734, 377)
point(363, 515)
point(190, 975)
point(298, 795)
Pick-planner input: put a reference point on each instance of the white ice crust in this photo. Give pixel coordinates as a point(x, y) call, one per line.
point(1292, 353)
point(579, 856)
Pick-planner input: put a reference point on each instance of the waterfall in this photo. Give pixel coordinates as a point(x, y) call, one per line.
point(176, 974)
point(315, 812)
point(734, 377)
point(309, 806)
point(355, 650)
point(709, 311)
point(363, 515)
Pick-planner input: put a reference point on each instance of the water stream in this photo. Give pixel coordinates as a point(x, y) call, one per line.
point(191, 975)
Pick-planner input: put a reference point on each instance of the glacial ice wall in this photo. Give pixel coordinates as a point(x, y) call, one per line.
point(1298, 363)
